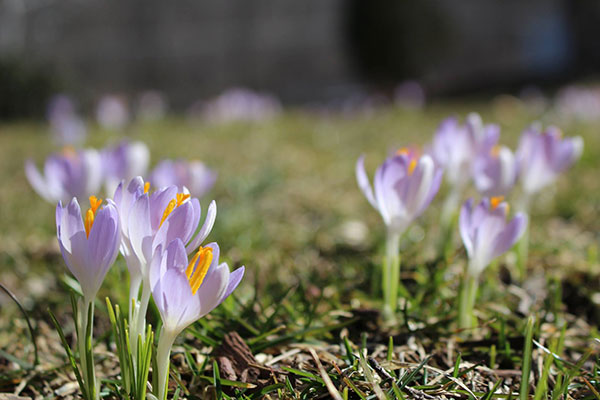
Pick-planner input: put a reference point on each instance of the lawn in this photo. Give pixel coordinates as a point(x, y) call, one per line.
point(290, 210)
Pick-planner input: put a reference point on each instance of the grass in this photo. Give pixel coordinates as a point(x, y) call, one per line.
point(291, 212)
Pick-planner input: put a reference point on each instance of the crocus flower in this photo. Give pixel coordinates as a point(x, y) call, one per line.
point(124, 161)
point(544, 155)
point(495, 171)
point(67, 175)
point(404, 186)
point(90, 245)
point(486, 233)
point(66, 126)
point(154, 220)
point(194, 175)
point(455, 146)
point(166, 215)
point(112, 112)
point(185, 292)
point(124, 198)
point(238, 104)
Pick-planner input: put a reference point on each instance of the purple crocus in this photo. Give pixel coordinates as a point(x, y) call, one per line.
point(89, 246)
point(70, 174)
point(66, 126)
point(486, 233)
point(455, 146)
point(404, 186)
point(124, 198)
point(185, 291)
point(239, 104)
point(193, 175)
point(495, 171)
point(112, 112)
point(154, 220)
point(542, 156)
point(124, 161)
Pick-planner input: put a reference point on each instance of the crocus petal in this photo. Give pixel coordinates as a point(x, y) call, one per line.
point(103, 244)
point(140, 231)
point(363, 181)
point(510, 235)
point(37, 182)
point(209, 222)
point(234, 280)
point(465, 224)
point(179, 224)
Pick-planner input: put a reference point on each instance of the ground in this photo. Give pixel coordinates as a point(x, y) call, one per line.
point(289, 210)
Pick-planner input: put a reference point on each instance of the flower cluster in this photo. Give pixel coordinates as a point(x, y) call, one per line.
point(82, 173)
point(406, 183)
point(155, 231)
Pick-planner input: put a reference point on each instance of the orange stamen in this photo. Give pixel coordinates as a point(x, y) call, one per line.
point(196, 275)
point(495, 151)
point(403, 151)
point(173, 204)
point(69, 152)
point(146, 187)
point(90, 215)
point(412, 166)
point(495, 201)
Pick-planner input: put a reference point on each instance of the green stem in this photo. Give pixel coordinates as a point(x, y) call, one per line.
point(85, 318)
point(468, 294)
point(391, 275)
point(137, 325)
point(523, 244)
point(163, 353)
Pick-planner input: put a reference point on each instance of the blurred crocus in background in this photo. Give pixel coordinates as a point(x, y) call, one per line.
point(124, 161)
point(89, 247)
point(495, 171)
point(486, 234)
point(66, 126)
point(193, 175)
point(404, 186)
point(541, 156)
point(151, 105)
point(72, 173)
point(185, 292)
point(112, 112)
point(454, 148)
point(240, 104)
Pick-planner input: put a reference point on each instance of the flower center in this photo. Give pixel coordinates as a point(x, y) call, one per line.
point(173, 204)
point(196, 275)
point(405, 151)
point(495, 151)
point(146, 187)
point(495, 202)
point(90, 215)
point(69, 152)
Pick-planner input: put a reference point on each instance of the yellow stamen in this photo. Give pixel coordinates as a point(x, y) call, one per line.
point(403, 151)
point(173, 204)
point(495, 201)
point(69, 152)
point(412, 166)
point(90, 215)
point(146, 187)
point(495, 152)
point(196, 275)
point(181, 198)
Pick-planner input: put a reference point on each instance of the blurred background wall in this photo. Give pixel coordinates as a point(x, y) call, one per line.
point(302, 51)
